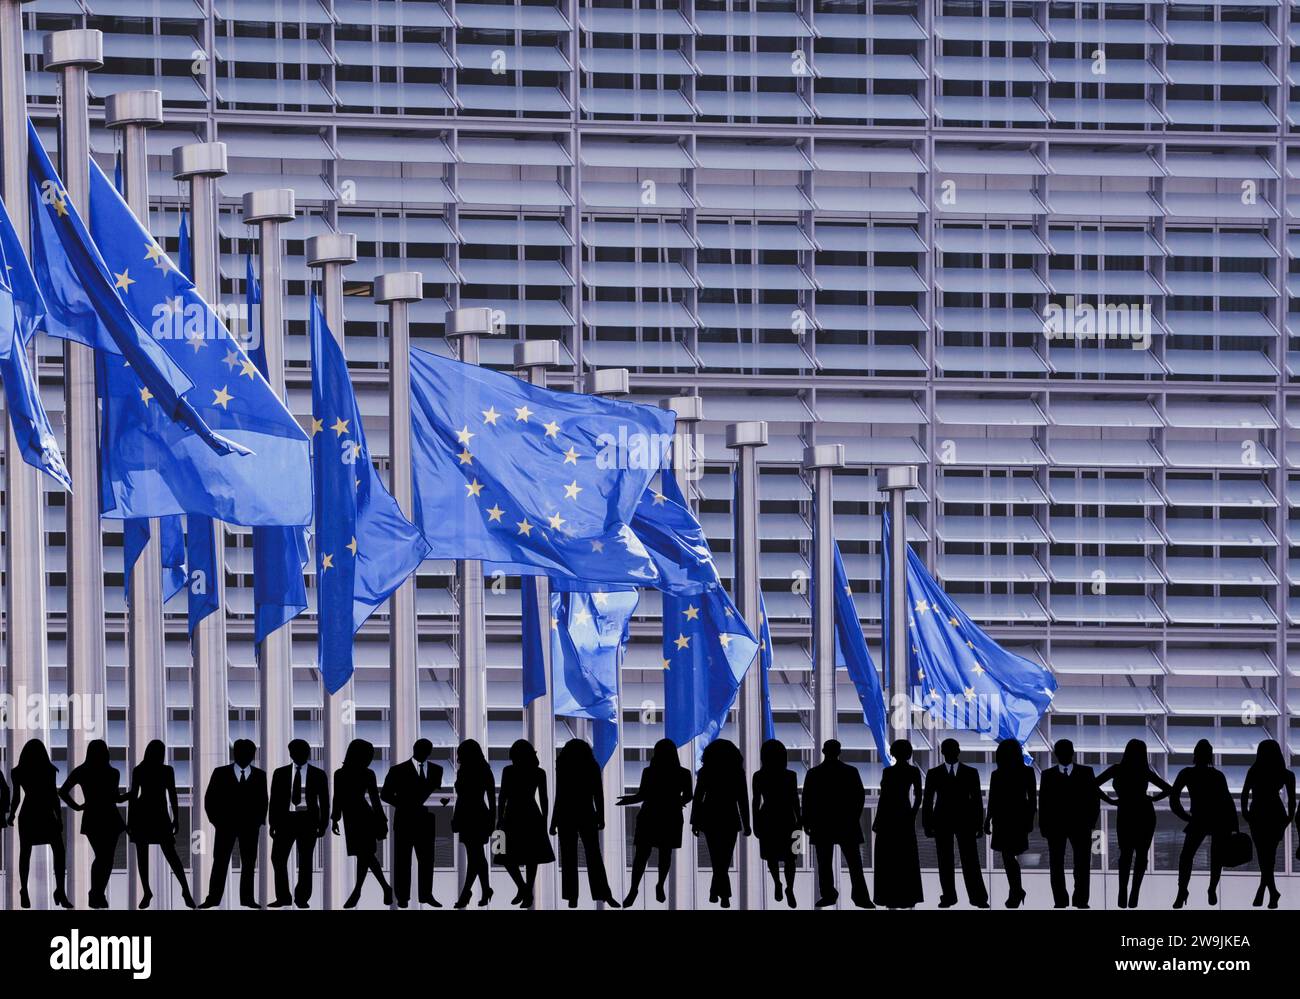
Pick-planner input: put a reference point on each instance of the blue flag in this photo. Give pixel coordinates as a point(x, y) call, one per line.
point(202, 569)
point(964, 677)
point(135, 535)
point(184, 252)
point(534, 660)
point(536, 480)
point(365, 548)
point(279, 553)
point(852, 653)
point(765, 665)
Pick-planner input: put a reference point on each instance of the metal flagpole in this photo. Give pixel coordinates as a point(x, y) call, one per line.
point(690, 413)
point(330, 252)
point(25, 631)
point(895, 481)
point(201, 163)
point(820, 462)
point(532, 359)
point(613, 846)
point(745, 439)
point(73, 54)
point(268, 210)
point(134, 112)
point(466, 326)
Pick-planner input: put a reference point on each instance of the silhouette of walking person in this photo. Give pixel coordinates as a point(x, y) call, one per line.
point(953, 809)
point(235, 803)
point(1261, 805)
point(833, 800)
point(40, 820)
point(101, 822)
point(1068, 806)
point(777, 818)
point(720, 811)
point(153, 818)
point(356, 802)
point(898, 861)
point(1213, 814)
point(300, 811)
point(473, 818)
point(1136, 814)
point(521, 817)
point(407, 787)
point(663, 792)
point(579, 814)
point(1012, 803)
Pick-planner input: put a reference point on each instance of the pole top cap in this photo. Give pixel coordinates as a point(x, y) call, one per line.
point(892, 477)
point(608, 381)
point(823, 456)
point(750, 434)
point(689, 408)
point(199, 159)
point(399, 286)
point(74, 47)
point(537, 354)
point(133, 107)
point(273, 205)
point(478, 321)
point(332, 248)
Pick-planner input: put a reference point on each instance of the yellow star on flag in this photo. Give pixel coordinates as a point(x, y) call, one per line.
point(61, 205)
point(353, 547)
point(682, 641)
point(221, 397)
point(494, 513)
point(316, 426)
point(326, 563)
point(659, 498)
point(490, 416)
point(474, 488)
point(463, 435)
point(724, 639)
point(598, 546)
point(465, 457)
point(248, 368)
point(552, 428)
point(124, 280)
point(195, 340)
point(231, 359)
point(145, 395)
point(155, 255)
point(572, 489)
point(556, 521)
point(692, 612)
point(525, 528)
point(600, 599)
point(570, 457)
point(522, 413)
point(339, 426)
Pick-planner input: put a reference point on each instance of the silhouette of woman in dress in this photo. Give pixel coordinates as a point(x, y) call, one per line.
point(101, 823)
point(40, 820)
point(153, 818)
point(473, 817)
point(579, 813)
point(1213, 814)
point(1136, 818)
point(664, 790)
point(777, 819)
point(1012, 804)
point(356, 802)
point(721, 811)
point(1261, 804)
point(897, 860)
point(521, 817)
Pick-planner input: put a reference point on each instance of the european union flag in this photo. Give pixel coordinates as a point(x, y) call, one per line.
point(765, 665)
point(201, 565)
point(535, 480)
point(852, 653)
point(365, 548)
point(135, 535)
point(22, 310)
point(963, 676)
point(534, 658)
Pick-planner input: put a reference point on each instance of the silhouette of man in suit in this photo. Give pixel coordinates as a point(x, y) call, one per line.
point(407, 788)
point(300, 808)
point(833, 799)
point(1068, 805)
point(235, 803)
point(953, 807)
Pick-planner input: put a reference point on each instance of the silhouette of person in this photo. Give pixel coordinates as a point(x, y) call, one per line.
point(720, 811)
point(40, 820)
point(300, 811)
point(663, 792)
point(1136, 816)
point(407, 787)
point(898, 861)
point(1213, 814)
point(235, 803)
point(579, 813)
point(473, 817)
point(521, 817)
point(833, 800)
point(777, 818)
point(101, 822)
point(1261, 805)
point(953, 808)
point(153, 818)
point(1068, 806)
point(1012, 803)
point(356, 802)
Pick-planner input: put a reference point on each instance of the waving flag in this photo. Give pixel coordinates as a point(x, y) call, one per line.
point(765, 666)
point(851, 652)
point(964, 677)
point(135, 535)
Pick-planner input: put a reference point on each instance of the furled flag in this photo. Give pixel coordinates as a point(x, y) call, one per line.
point(851, 652)
point(765, 665)
point(365, 548)
point(964, 677)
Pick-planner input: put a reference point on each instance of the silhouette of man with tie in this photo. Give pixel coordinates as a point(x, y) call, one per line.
point(300, 808)
point(833, 799)
point(407, 788)
point(953, 807)
point(235, 803)
point(1068, 805)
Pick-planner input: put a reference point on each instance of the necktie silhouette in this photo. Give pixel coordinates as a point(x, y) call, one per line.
point(297, 785)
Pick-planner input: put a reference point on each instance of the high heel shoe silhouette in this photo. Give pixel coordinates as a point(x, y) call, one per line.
point(487, 897)
point(24, 899)
point(1259, 897)
point(1274, 897)
point(462, 901)
point(187, 898)
point(630, 898)
point(61, 899)
point(353, 899)
point(145, 899)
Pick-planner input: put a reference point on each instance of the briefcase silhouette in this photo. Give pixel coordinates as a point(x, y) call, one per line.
point(1236, 849)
